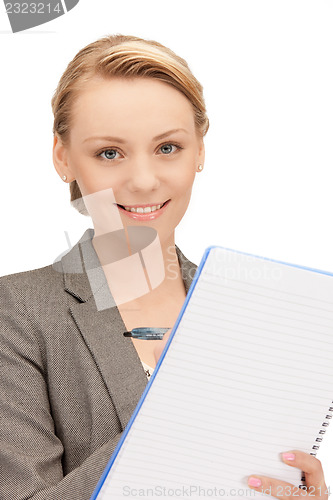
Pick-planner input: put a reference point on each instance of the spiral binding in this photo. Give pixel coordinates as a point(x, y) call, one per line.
point(319, 440)
point(322, 431)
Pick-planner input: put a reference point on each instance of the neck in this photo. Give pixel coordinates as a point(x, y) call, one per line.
point(136, 272)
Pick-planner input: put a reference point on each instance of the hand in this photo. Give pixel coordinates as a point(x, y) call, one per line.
point(314, 478)
point(160, 344)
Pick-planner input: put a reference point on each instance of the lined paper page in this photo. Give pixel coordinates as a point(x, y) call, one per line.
point(248, 375)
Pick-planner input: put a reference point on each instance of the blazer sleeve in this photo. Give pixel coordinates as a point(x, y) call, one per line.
point(30, 451)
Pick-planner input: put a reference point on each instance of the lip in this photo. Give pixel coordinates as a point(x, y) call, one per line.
point(143, 217)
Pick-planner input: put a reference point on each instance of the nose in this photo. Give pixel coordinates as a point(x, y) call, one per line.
point(143, 175)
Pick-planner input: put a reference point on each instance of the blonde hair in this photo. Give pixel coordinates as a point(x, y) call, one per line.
point(127, 57)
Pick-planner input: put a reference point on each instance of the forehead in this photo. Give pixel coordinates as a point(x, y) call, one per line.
point(126, 105)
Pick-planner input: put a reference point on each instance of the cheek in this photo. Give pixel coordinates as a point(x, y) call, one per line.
point(89, 180)
point(93, 183)
point(184, 179)
point(182, 191)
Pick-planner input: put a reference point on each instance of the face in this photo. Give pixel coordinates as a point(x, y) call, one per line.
point(137, 137)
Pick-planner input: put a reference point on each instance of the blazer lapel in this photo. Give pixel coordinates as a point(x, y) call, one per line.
point(116, 358)
point(100, 323)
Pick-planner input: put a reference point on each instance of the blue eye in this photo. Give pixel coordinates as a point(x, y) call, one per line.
point(109, 154)
point(166, 149)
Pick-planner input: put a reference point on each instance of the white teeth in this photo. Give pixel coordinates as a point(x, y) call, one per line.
point(145, 210)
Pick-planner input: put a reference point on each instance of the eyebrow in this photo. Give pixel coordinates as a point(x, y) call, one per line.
point(123, 141)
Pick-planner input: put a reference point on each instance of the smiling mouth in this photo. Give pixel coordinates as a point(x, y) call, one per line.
point(142, 209)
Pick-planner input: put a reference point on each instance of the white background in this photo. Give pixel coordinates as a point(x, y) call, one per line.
point(266, 67)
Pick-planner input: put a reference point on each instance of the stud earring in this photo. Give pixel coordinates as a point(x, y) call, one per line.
point(64, 177)
point(200, 168)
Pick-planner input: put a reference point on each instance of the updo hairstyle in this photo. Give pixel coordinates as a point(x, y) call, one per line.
point(126, 57)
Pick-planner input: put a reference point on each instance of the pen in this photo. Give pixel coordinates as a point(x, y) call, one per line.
point(147, 333)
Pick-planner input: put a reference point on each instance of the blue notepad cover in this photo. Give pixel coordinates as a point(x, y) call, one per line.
point(160, 361)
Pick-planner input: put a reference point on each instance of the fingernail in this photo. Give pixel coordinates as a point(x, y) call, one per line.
point(288, 456)
point(254, 481)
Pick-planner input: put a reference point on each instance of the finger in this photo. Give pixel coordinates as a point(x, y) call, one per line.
point(312, 469)
point(310, 465)
point(275, 487)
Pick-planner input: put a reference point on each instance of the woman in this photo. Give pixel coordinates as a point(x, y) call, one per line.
point(129, 122)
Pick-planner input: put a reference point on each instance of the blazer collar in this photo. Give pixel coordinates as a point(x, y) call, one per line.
point(102, 327)
point(82, 256)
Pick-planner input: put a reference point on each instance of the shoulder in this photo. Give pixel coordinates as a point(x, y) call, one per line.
point(36, 280)
point(30, 299)
point(32, 276)
point(50, 280)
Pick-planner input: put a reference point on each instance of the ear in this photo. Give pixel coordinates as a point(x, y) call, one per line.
point(60, 159)
point(201, 155)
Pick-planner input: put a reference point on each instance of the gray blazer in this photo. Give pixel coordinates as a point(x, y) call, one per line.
point(70, 380)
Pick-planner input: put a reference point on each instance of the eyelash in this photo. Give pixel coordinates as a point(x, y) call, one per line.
point(99, 153)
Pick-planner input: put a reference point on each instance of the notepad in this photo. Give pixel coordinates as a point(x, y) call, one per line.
point(247, 374)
